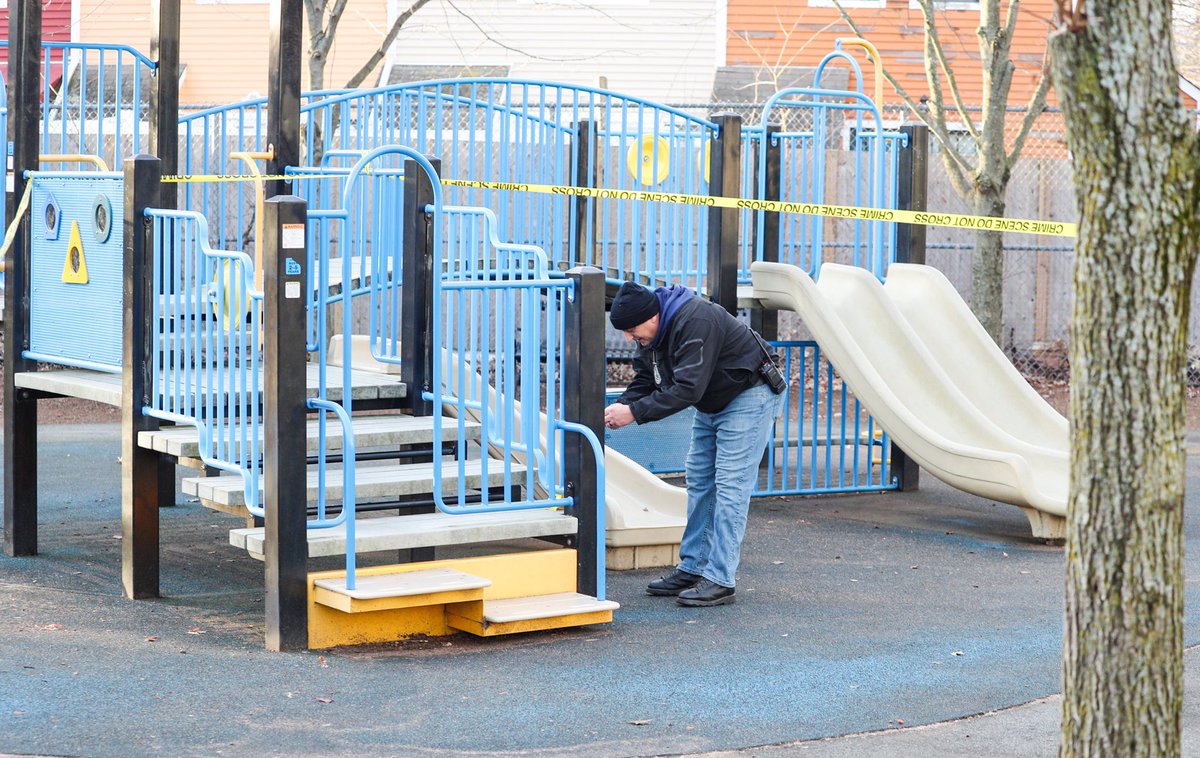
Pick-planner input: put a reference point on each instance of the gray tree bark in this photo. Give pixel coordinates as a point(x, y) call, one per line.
point(1136, 171)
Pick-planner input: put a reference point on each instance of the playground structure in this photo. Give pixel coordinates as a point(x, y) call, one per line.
point(245, 336)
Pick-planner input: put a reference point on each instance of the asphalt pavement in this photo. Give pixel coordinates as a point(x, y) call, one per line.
point(900, 624)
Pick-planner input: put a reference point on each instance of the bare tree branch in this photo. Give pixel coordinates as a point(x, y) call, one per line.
point(934, 49)
point(380, 52)
point(935, 120)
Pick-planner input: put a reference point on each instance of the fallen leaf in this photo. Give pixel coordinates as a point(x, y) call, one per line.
point(640, 722)
point(152, 638)
point(324, 699)
point(322, 662)
point(52, 627)
point(197, 630)
point(899, 721)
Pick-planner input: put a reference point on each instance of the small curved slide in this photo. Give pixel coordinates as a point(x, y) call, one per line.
point(942, 406)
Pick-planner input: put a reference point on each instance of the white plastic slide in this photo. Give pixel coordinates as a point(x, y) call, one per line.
point(945, 325)
point(888, 367)
point(641, 509)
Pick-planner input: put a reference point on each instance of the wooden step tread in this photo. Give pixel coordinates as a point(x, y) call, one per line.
point(369, 431)
point(370, 482)
point(421, 530)
point(515, 609)
point(406, 584)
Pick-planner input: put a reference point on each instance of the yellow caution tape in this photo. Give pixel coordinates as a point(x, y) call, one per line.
point(851, 212)
point(924, 218)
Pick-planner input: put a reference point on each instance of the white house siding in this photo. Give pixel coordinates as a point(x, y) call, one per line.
point(662, 50)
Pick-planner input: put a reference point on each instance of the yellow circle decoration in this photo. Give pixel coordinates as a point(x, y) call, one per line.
point(648, 159)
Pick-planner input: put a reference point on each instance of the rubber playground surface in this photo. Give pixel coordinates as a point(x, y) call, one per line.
point(861, 614)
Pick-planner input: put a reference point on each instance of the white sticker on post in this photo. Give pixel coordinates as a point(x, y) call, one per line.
point(291, 290)
point(8, 182)
point(293, 236)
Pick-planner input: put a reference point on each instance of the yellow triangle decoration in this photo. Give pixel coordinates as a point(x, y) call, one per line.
point(75, 266)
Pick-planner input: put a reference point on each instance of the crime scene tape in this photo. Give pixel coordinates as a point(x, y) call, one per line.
point(850, 212)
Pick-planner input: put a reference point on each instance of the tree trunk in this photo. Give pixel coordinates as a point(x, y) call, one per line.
point(1135, 178)
point(987, 271)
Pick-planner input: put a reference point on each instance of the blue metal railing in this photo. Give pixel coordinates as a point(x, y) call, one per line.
point(95, 98)
point(825, 441)
point(830, 150)
point(497, 331)
point(205, 358)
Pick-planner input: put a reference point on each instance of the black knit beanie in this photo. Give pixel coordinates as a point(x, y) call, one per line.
point(633, 305)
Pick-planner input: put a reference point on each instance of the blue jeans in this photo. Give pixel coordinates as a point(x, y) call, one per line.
point(722, 469)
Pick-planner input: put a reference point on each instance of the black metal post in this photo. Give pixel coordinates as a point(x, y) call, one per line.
point(284, 410)
point(583, 251)
point(20, 406)
point(283, 89)
point(726, 172)
point(141, 485)
point(583, 375)
point(416, 307)
point(766, 322)
point(912, 192)
point(164, 92)
point(912, 176)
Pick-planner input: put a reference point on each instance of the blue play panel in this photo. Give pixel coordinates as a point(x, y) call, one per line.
point(75, 307)
point(658, 446)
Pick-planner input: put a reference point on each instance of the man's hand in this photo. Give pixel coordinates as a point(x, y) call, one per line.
point(617, 415)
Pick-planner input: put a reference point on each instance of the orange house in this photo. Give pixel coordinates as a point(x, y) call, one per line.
point(770, 35)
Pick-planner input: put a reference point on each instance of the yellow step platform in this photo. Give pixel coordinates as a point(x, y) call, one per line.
point(485, 595)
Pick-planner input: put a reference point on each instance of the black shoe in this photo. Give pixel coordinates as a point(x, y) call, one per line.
point(706, 593)
point(673, 583)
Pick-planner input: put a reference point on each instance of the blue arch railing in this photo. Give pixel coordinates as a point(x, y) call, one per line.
point(501, 130)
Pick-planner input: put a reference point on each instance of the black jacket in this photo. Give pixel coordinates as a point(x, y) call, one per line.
point(706, 358)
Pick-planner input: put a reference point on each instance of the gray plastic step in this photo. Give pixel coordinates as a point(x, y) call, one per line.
point(369, 431)
point(379, 533)
point(373, 482)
